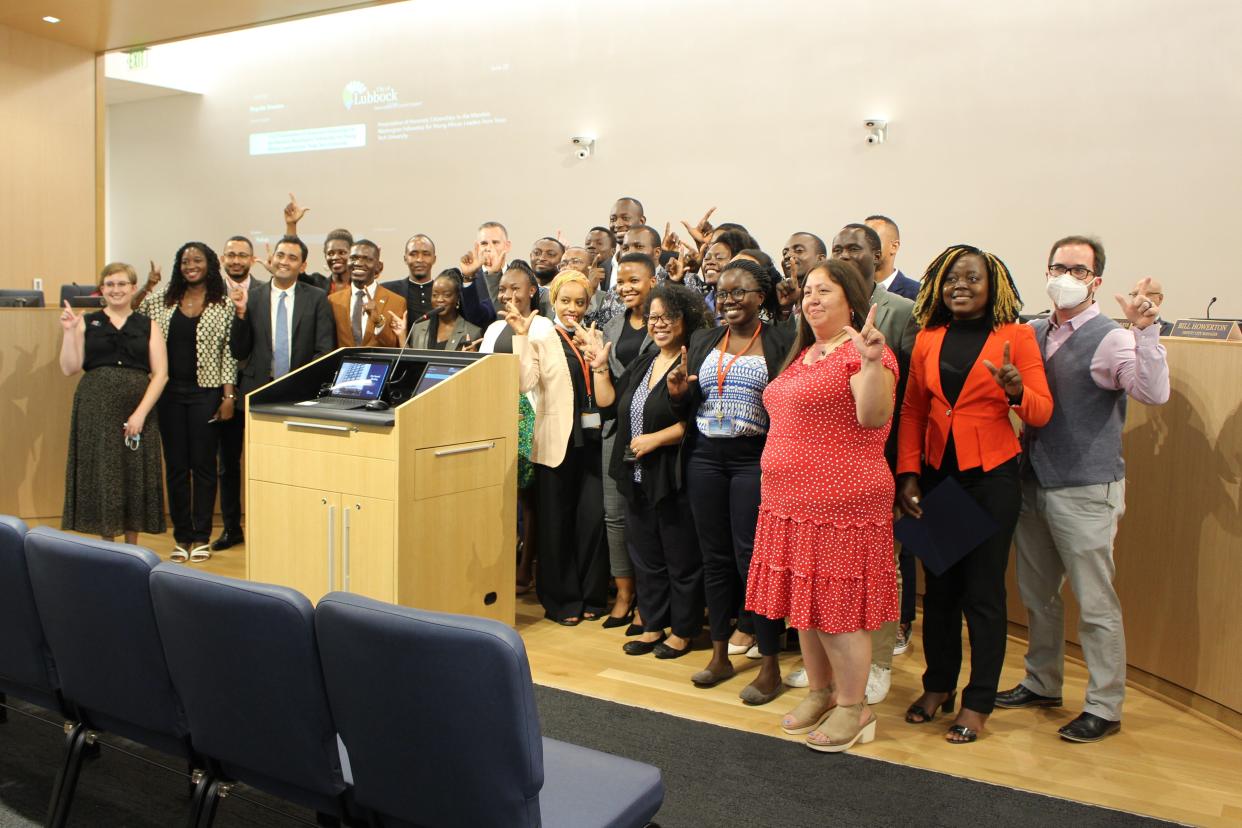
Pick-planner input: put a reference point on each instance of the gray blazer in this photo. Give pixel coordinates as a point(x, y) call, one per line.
point(894, 316)
point(612, 333)
point(462, 331)
point(313, 335)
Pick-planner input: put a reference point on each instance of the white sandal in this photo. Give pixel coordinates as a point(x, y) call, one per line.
point(179, 555)
point(200, 553)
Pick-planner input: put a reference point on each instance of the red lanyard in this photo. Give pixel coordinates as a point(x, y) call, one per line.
point(721, 374)
point(586, 372)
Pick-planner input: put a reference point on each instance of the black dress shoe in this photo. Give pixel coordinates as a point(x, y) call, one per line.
point(662, 650)
point(1021, 696)
point(637, 648)
point(226, 540)
point(1088, 727)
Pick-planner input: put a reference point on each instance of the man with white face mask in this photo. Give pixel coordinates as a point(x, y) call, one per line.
point(1073, 484)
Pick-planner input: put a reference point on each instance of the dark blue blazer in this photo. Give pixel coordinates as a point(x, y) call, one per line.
point(903, 285)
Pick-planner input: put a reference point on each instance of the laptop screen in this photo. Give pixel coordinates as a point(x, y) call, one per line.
point(435, 374)
point(360, 379)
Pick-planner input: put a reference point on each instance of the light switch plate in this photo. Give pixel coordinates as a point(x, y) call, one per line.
point(38, 283)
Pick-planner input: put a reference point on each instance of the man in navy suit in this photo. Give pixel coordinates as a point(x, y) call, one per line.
point(887, 275)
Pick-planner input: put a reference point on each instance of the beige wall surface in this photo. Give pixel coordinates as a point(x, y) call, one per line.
point(47, 162)
point(1011, 125)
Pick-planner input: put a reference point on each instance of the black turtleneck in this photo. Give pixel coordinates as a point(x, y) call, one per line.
point(962, 345)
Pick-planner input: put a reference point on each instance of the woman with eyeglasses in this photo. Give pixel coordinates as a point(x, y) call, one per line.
point(444, 329)
point(720, 385)
point(973, 364)
point(647, 465)
point(112, 481)
point(195, 315)
point(824, 545)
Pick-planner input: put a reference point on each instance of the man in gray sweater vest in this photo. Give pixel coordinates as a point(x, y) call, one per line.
point(1073, 484)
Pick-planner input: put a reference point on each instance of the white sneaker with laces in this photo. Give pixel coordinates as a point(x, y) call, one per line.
point(797, 678)
point(878, 684)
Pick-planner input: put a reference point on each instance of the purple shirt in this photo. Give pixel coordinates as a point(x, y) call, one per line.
point(1127, 360)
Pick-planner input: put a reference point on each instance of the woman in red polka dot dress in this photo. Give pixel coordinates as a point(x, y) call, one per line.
point(824, 542)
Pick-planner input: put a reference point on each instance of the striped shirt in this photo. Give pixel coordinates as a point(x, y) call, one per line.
point(743, 395)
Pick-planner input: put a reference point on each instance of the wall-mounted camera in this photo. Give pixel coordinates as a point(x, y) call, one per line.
point(877, 131)
point(584, 146)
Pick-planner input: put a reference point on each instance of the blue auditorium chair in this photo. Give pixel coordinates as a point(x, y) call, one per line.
point(438, 715)
point(244, 659)
point(94, 600)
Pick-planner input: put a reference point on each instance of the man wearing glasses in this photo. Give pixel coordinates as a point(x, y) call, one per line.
point(1073, 483)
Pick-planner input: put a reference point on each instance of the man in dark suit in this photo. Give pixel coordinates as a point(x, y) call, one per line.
point(281, 325)
point(887, 275)
point(415, 289)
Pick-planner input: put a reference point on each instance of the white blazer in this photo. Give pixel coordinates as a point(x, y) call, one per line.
point(544, 369)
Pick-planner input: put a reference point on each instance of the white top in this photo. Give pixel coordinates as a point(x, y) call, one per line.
point(538, 326)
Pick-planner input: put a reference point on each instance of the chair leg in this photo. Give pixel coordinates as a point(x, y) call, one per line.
point(201, 785)
point(207, 802)
point(67, 777)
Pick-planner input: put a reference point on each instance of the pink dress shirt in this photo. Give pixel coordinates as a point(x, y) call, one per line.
point(1126, 360)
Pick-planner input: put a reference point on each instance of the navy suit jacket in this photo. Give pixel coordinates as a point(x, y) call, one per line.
point(313, 334)
point(903, 285)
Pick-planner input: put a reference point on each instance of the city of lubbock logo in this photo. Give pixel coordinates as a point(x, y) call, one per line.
point(356, 93)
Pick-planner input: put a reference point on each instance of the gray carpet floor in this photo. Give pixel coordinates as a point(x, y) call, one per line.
point(713, 776)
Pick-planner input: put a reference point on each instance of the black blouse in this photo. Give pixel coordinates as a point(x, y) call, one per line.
point(630, 342)
point(127, 347)
point(661, 468)
point(183, 348)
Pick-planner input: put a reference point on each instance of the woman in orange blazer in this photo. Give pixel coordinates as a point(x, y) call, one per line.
point(571, 576)
point(972, 365)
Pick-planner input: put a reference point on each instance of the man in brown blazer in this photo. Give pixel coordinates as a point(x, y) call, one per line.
point(361, 312)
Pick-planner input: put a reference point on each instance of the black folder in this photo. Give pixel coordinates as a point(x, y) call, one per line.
point(952, 524)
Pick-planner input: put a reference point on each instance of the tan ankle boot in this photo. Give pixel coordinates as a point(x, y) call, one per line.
point(842, 729)
point(810, 712)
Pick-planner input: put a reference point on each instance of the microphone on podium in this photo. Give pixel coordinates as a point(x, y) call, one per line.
point(1207, 314)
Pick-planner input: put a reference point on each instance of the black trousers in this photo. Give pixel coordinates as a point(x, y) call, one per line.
point(975, 587)
point(668, 568)
point(722, 481)
point(906, 562)
point(572, 565)
point(190, 444)
point(232, 439)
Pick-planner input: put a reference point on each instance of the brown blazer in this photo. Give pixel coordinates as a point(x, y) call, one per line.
point(385, 301)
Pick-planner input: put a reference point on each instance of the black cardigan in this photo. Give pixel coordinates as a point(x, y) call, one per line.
point(775, 339)
point(661, 468)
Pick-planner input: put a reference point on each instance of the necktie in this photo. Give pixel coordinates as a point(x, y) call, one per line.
point(356, 318)
point(280, 362)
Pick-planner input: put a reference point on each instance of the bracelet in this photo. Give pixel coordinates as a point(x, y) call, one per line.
point(230, 396)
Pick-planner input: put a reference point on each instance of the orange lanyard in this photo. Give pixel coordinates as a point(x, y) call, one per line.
point(586, 372)
point(721, 374)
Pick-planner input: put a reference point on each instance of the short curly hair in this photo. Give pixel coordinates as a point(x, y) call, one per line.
point(682, 303)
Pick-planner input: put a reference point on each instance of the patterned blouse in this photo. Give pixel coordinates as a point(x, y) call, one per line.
point(742, 403)
point(216, 364)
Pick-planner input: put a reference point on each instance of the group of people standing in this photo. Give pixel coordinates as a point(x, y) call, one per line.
point(711, 432)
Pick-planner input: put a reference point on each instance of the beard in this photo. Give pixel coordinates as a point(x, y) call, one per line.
point(546, 276)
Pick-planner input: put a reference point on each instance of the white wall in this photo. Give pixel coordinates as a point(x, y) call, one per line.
point(1010, 126)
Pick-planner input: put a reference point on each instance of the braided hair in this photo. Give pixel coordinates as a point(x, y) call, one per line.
point(213, 281)
point(1004, 301)
point(763, 281)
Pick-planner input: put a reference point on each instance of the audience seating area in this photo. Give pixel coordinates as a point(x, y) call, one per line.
point(367, 713)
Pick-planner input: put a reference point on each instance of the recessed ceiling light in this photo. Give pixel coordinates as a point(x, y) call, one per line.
point(50, 19)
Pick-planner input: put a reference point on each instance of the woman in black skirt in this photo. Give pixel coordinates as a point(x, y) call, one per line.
point(113, 481)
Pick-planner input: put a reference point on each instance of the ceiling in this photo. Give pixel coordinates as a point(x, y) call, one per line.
point(103, 25)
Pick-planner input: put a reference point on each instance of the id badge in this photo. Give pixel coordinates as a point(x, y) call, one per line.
point(719, 425)
point(591, 419)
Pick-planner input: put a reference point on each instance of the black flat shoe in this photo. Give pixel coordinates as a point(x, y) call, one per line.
point(637, 648)
point(662, 650)
point(924, 716)
point(1021, 696)
point(618, 620)
point(1088, 727)
point(634, 629)
point(227, 540)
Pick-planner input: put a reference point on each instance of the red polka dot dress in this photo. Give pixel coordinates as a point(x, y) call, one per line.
point(824, 541)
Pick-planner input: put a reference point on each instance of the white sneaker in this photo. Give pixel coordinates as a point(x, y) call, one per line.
point(878, 684)
point(797, 678)
point(902, 642)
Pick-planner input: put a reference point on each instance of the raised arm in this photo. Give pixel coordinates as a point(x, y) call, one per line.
point(73, 347)
point(873, 384)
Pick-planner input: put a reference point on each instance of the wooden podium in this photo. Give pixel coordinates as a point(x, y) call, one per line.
point(415, 505)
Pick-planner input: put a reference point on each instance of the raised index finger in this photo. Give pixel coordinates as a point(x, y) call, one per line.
point(707, 215)
point(870, 318)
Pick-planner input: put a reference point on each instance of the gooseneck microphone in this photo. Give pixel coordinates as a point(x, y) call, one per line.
point(1207, 314)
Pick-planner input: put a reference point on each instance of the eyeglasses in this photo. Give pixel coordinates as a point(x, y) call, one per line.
point(1079, 272)
point(971, 279)
point(1134, 294)
point(737, 294)
point(657, 319)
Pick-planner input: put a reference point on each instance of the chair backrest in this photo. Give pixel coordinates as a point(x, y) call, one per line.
point(68, 292)
point(22, 298)
point(26, 667)
point(436, 710)
point(245, 662)
point(95, 602)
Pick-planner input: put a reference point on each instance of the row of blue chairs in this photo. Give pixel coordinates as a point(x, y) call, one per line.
point(368, 713)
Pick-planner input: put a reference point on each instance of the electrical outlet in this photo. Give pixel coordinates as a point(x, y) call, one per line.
point(38, 283)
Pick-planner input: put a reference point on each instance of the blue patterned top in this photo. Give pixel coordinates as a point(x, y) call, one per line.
point(743, 395)
point(637, 403)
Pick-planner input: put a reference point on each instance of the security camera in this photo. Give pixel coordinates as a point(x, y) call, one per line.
point(874, 139)
point(584, 146)
point(875, 123)
point(877, 131)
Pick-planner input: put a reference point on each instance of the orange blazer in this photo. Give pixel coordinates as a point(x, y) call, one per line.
point(385, 301)
point(982, 431)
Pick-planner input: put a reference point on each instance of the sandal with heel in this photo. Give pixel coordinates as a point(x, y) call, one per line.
point(924, 716)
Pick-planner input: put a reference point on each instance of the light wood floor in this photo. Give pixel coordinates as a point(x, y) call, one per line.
point(1167, 762)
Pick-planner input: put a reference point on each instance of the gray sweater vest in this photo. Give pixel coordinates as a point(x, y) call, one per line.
point(1081, 444)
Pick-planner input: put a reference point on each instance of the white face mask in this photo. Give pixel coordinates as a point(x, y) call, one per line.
point(1066, 292)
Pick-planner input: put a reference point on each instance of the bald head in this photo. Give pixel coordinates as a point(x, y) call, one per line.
point(1153, 290)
